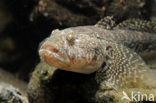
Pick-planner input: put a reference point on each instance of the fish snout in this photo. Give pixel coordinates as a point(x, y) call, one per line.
point(52, 55)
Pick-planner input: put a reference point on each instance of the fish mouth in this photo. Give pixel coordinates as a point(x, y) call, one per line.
point(53, 55)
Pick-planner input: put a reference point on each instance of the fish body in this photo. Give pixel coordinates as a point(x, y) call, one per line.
point(112, 54)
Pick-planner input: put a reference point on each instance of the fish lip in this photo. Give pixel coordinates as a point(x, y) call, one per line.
point(55, 55)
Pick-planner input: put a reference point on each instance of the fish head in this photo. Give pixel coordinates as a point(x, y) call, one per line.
point(72, 51)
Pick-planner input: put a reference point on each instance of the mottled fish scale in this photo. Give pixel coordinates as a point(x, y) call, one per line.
point(121, 69)
point(112, 54)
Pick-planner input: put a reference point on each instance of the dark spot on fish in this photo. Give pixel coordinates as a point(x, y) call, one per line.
point(108, 47)
point(103, 65)
point(55, 50)
point(94, 58)
point(110, 50)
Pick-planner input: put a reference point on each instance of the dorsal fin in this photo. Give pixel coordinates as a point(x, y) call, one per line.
point(106, 23)
point(138, 25)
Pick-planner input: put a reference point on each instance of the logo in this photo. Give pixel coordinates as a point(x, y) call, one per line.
point(138, 96)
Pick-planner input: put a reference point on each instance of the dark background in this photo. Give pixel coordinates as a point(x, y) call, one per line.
point(25, 23)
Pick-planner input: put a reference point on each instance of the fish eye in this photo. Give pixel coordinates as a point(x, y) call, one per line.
point(70, 38)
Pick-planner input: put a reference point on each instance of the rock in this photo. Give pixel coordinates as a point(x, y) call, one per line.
point(10, 94)
point(12, 90)
point(48, 85)
point(73, 13)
